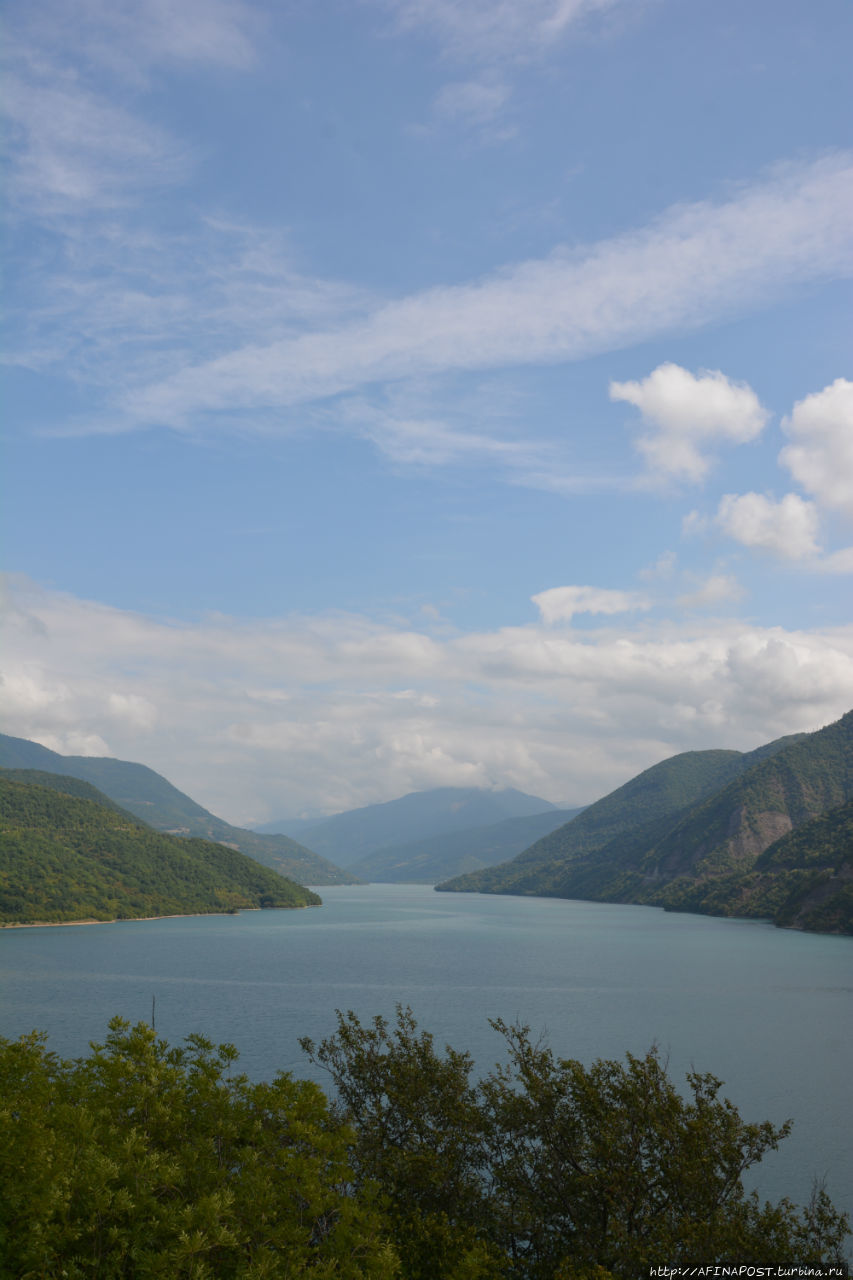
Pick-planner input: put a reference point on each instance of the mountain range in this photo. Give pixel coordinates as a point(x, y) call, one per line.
point(349, 837)
point(761, 834)
point(152, 798)
point(453, 853)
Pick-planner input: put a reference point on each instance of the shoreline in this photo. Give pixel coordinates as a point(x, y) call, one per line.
point(177, 915)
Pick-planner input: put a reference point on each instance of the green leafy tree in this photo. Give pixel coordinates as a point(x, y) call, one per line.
point(558, 1170)
point(419, 1135)
point(149, 1161)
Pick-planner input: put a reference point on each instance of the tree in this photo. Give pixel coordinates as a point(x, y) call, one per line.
point(159, 1163)
point(418, 1127)
point(556, 1169)
point(149, 1161)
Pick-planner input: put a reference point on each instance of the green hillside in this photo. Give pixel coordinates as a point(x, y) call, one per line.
point(152, 798)
point(728, 852)
point(454, 853)
point(657, 793)
point(68, 786)
point(69, 857)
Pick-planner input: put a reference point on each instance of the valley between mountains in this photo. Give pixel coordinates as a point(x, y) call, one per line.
point(765, 834)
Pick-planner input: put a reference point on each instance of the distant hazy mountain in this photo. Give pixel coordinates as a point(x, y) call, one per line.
point(68, 853)
point(764, 834)
point(456, 852)
point(348, 837)
point(149, 796)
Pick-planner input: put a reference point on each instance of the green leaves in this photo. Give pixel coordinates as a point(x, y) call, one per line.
point(552, 1168)
point(146, 1160)
point(156, 1162)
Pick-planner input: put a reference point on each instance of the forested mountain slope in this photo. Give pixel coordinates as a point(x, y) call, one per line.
point(151, 797)
point(66, 857)
point(725, 853)
point(640, 804)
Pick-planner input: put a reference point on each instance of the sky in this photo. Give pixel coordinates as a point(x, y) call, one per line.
point(415, 393)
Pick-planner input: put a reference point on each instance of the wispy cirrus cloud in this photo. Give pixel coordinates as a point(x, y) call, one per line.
point(693, 265)
point(75, 151)
point(471, 101)
point(489, 30)
point(128, 305)
point(73, 76)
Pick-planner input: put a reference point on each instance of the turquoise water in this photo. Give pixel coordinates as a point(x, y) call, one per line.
point(769, 1011)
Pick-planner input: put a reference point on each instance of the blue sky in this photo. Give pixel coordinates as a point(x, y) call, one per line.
point(403, 394)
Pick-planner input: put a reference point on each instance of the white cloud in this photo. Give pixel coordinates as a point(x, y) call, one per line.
point(73, 150)
point(716, 589)
point(788, 527)
point(72, 79)
point(840, 561)
point(128, 306)
point(433, 442)
point(694, 264)
point(687, 412)
point(560, 604)
point(257, 719)
point(473, 102)
point(125, 37)
point(820, 455)
point(694, 524)
point(217, 32)
point(485, 30)
point(662, 569)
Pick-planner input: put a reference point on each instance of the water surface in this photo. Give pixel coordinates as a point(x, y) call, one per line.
point(767, 1010)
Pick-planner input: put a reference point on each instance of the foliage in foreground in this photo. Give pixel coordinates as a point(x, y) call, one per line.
point(547, 1169)
point(144, 1160)
point(149, 1161)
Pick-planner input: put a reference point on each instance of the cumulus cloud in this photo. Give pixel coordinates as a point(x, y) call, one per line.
point(686, 413)
point(258, 719)
point(560, 604)
point(788, 527)
point(820, 455)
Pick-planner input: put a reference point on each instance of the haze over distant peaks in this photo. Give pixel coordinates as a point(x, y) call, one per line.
point(347, 837)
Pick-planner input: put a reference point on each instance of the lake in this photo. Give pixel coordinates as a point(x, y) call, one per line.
point(767, 1010)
